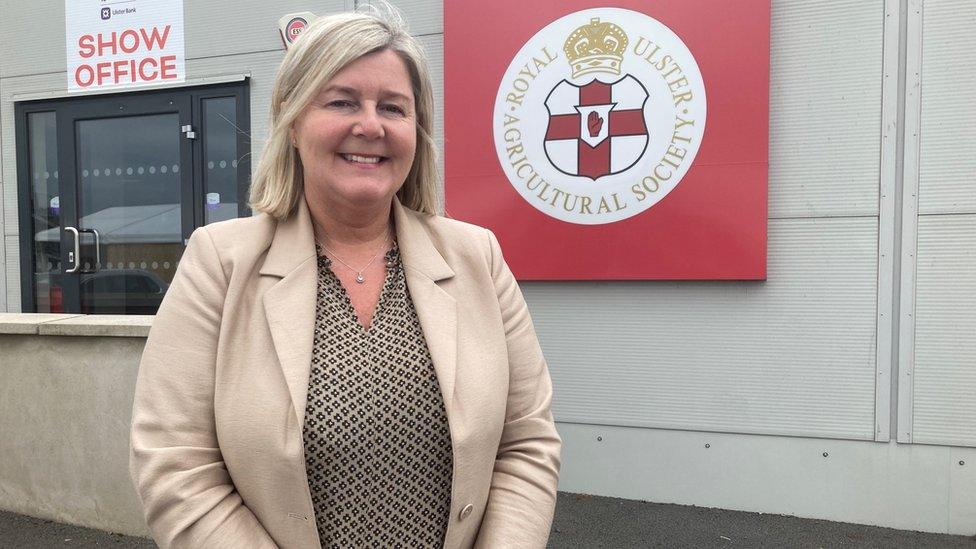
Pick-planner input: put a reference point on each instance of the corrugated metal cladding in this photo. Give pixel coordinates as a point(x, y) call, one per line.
point(793, 355)
point(825, 108)
point(945, 288)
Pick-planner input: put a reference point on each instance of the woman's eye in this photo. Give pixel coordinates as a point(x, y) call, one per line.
point(396, 109)
point(342, 103)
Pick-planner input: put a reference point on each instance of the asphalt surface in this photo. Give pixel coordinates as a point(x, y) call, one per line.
point(590, 522)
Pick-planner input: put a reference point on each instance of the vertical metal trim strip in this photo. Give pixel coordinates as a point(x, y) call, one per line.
point(886, 221)
point(909, 235)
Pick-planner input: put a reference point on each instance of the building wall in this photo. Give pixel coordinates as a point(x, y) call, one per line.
point(801, 394)
point(941, 216)
point(4, 305)
point(796, 354)
point(65, 409)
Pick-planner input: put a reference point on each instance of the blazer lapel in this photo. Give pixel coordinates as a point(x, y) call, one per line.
point(436, 309)
point(289, 305)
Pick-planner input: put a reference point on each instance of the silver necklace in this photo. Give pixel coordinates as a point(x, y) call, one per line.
point(359, 272)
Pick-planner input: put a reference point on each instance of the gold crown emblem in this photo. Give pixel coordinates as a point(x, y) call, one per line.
point(596, 47)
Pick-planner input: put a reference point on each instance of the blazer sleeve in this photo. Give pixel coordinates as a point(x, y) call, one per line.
point(188, 497)
point(522, 498)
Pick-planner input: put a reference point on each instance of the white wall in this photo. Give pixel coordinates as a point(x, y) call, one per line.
point(939, 316)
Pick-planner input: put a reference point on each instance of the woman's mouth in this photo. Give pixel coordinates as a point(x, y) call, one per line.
point(363, 159)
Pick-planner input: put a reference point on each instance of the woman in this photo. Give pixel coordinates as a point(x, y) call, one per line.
point(296, 390)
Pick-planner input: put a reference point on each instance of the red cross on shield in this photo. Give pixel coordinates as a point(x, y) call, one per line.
point(597, 129)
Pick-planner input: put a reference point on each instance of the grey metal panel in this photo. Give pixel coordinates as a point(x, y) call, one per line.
point(422, 16)
point(938, 335)
point(794, 355)
point(947, 159)
point(211, 29)
point(909, 219)
point(32, 38)
point(11, 271)
point(223, 28)
point(825, 107)
point(887, 233)
point(945, 330)
point(4, 303)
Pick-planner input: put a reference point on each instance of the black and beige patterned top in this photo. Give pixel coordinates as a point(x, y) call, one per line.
point(377, 443)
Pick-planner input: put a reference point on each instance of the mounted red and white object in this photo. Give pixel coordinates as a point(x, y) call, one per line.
point(611, 143)
point(291, 26)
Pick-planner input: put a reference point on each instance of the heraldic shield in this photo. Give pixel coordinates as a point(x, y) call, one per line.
point(597, 129)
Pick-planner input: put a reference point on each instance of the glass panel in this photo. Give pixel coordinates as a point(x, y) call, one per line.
point(129, 192)
point(46, 214)
point(220, 158)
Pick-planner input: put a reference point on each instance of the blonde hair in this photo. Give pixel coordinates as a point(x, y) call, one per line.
point(325, 47)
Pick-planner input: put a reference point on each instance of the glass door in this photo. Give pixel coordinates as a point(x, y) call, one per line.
point(127, 201)
point(40, 211)
point(112, 186)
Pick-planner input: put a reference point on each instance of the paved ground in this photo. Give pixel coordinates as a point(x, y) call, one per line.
point(589, 522)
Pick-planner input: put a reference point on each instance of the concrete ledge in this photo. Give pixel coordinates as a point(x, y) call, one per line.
point(76, 325)
point(99, 325)
point(27, 323)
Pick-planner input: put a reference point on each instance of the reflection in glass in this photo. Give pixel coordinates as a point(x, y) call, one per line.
point(137, 215)
point(220, 158)
point(46, 211)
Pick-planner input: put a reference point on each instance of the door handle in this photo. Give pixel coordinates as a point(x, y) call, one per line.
point(98, 248)
point(75, 255)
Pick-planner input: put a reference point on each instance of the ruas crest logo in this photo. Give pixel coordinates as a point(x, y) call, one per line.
point(599, 116)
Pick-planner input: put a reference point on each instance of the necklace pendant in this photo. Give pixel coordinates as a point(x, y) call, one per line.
point(360, 279)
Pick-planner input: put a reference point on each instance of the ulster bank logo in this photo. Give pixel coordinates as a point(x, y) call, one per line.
point(599, 116)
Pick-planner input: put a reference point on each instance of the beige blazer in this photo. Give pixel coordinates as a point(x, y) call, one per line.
point(216, 445)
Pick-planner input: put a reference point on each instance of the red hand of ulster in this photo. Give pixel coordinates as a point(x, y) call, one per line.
point(594, 122)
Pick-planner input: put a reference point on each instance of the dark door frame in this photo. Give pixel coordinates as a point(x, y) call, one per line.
point(68, 110)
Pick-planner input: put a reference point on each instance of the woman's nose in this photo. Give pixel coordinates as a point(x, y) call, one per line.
point(369, 125)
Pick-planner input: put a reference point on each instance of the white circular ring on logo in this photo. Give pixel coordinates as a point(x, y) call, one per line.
point(599, 116)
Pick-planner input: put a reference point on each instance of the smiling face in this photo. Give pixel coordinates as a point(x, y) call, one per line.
point(358, 135)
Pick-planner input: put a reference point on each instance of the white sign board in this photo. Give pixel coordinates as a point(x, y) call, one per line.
point(123, 43)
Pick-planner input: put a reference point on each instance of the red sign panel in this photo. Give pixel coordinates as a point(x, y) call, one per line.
point(617, 143)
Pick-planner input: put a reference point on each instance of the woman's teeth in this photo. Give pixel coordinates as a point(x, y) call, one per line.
point(362, 159)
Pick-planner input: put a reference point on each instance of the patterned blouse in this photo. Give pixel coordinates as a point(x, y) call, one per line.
point(377, 444)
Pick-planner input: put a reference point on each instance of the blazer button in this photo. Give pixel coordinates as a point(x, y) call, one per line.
point(466, 512)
